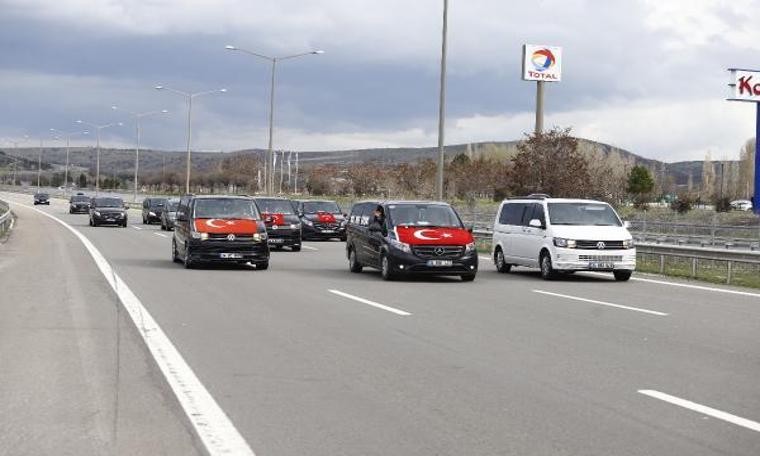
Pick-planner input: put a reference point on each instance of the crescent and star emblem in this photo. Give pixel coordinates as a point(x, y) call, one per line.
point(420, 234)
point(210, 222)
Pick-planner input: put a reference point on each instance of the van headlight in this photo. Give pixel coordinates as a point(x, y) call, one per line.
point(152, 214)
point(97, 214)
point(628, 244)
point(308, 222)
point(470, 248)
point(564, 243)
point(201, 236)
point(295, 226)
point(403, 246)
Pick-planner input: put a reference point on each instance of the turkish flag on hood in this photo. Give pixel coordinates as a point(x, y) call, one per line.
point(416, 235)
point(274, 219)
point(226, 226)
point(325, 217)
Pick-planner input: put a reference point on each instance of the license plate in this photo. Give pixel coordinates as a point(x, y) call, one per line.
point(439, 263)
point(276, 241)
point(601, 265)
point(328, 231)
point(230, 255)
point(110, 220)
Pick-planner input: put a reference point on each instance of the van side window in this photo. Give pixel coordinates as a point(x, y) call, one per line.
point(356, 214)
point(512, 214)
point(503, 214)
point(366, 215)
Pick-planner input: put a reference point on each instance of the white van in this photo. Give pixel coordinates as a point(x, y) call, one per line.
point(562, 235)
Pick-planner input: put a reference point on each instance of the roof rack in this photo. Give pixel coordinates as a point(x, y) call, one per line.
point(537, 196)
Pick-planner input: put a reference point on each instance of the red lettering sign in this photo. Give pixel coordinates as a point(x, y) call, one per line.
point(745, 86)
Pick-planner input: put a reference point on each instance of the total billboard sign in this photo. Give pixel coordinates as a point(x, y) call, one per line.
point(542, 63)
point(745, 85)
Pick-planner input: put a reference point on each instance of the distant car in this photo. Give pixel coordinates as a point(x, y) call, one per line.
point(169, 214)
point(283, 225)
point(41, 198)
point(741, 205)
point(79, 204)
point(321, 220)
point(219, 229)
point(108, 210)
point(152, 209)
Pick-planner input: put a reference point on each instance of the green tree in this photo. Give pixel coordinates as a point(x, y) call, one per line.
point(82, 181)
point(640, 185)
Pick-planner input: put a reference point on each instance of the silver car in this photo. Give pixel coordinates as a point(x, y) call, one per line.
point(169, 214)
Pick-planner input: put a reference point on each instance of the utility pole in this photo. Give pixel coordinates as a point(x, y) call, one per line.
point(442, 103)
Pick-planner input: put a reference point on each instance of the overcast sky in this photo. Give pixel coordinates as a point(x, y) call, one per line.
point(646, 75)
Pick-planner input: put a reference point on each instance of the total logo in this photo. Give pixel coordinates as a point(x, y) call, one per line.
point(543, 59)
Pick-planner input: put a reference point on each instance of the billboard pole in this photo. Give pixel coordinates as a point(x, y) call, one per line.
point(539, 107)
point(756, 199)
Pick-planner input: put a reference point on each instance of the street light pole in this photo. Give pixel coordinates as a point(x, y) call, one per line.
point(189, 97)
point(442, 103)
point(68, 148)
point(138, 116)
point(269, 170)
point(97, 161)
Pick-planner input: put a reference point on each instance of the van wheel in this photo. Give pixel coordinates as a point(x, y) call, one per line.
point(501, 264)
point(622, 276)
point(547, 270)
point(386, 268)
point(295, 248)
point(175, 257)
point(353, 263)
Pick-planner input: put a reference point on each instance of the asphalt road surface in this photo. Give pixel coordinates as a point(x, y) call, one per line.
point(308, 359)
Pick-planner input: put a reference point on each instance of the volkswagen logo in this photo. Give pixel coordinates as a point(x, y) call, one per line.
point(231, 237)
point(438, 251)
point(601, 245)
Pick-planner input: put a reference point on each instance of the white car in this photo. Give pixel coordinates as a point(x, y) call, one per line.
point(562, 235)
point(741, 205)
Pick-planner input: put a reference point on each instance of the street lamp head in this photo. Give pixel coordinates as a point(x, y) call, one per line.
point(114, 107)
point(79, 121)
point(164, 111)
point(85, 132)
point(318, 52)
point(230, 47)
point(223, 90)
point(159, 87)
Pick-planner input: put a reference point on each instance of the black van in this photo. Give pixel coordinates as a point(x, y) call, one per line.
point(410, 237)
point(219, 229)
point(321, 220)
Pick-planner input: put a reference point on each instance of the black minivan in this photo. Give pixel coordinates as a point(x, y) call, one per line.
point(410, 237)
point(283, 225)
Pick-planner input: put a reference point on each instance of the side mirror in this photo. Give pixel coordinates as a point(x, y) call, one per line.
point(181, 217)
point(535, 223)
point(470, 228)
point(626, 224)
point(126, 206)
point(300, 213)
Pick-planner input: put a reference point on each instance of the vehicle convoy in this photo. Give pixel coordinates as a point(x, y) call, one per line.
point(169, 214)
point(152, 208)
point(322, 220)
point(108, 210)
point(409, 237)
point(79, 204)
point(219, 229)
point(41, 198)
point(283, 225)
point(562, 236)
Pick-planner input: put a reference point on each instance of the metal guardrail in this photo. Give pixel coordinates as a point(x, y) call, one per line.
point(6, 218)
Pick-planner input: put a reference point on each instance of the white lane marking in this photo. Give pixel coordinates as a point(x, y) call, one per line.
point(484, 258)
point(371, 303)
point(135, 227)
point(686, 285)
point(214, 428)
point(703, 409)
point(159, 234)
point(602, 303)
point(308, 247)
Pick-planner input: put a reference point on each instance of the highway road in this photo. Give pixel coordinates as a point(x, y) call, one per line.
point(307, 358)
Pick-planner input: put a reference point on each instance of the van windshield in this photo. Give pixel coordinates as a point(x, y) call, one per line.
point(433, 215)
point(225, 208)
point(275, 206)
point(312, 207)
point(590, 214)
point(108, 202)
